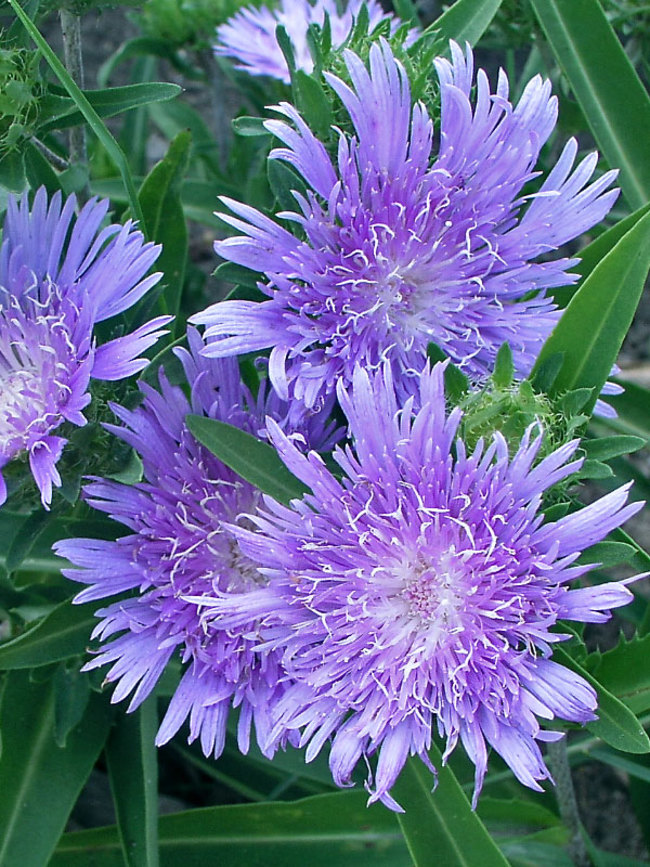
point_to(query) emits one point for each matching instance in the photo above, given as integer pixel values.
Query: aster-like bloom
(422, 590)
(59, 276)
(178, 547)
(395, 251)
(249, 36)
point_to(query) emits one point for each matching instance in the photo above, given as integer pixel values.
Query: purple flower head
(422, 590)
(249, 36)
(395, 251)
(59, 275)
(178, 547)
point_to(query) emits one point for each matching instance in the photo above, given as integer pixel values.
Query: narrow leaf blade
(593, 326)
(252, 459)
(133, 772)
(465, 21)
(40, 782)
(442, 822)
(616, 724)
(610, 93)
(319, 831)
(64, 633)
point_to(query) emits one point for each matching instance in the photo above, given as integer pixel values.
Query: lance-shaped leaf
(252, 459)
(160, 200)
(616, 724)
(64, 633)
(107, 102)
(593, 326)
(133, 771)
(443, 821)
(321, 831)
(39, 781)
(625, 672)
(465, 21)
(609, 91)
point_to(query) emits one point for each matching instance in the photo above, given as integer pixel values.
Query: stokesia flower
(395, 250)
(59, 276)
(249, 36)
(177, 547)
(422, 590)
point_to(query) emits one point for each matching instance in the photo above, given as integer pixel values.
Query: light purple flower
(178, 547)
(422, 591)
(249, 36)
(59, 276)
(394, 249)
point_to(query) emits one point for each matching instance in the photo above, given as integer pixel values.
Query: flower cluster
(249, 37)
(396, 251)
(417, 587)
(181, 546)
(422, 589)
(59, 276)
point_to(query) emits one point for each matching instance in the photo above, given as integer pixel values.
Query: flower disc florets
(178, 548)
(396, 248)
(422, 591)
(59, 276)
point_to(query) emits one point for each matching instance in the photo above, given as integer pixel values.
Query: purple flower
(422, 590)
(59, 275)
(178, 547)
(394, 251)
(249, 36)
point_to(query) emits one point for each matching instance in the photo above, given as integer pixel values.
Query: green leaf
(313, 104)
(616, 724)
(230, 272)
(133, 771)
(464, 21)
(283, 180)
(442, 822)
(504, 369)
(39, 171)
(92, 118)
(72, 694)
(516, 811)
(524, 852)
(608, 553)
(64, 633)
(40, 782)
(322, 831)
(252, 459)
(12, 171)
(25, 538)
(593, 326)
(625, 672)
(406, 10)
(633, 408)
(609, 91)
(249, 126)
(111, 101)
(604, 448)
(598, 249)
(160, 199)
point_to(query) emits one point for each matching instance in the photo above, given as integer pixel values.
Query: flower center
(434, 594)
